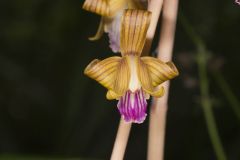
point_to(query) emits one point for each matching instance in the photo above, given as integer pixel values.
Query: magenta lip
(132, 106)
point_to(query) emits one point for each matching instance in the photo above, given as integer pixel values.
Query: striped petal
(122, 77)
(112, 95)
(146, 81)
(113, 73)
(104, 72)
(116, 5)
(134, 27)
(158, 92)
(107, 8)
(97, 6)
(159, 71)
(144, 76)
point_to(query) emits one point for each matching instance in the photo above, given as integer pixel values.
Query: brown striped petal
(99, 33)
(160, 71)
(97, 6)
(134, 27)
(112, 95)
(159, 92)
(146, 80)
(144, 76)
(116, 5)
(122, 77)
(104, 72)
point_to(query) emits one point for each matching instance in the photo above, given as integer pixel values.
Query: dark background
(48, 108)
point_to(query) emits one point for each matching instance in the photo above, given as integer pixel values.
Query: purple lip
(133, 106)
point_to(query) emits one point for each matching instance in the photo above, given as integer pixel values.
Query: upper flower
(131, 78)
(111, 12)
(109, 8)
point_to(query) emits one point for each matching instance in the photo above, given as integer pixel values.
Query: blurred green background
(49, 109)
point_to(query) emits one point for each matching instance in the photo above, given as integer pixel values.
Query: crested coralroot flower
(111, 12)
(131, 79)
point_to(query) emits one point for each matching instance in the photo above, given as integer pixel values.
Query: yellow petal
(160, 71)
(158, 93)
(100, 31)
(97, 6)
(144, 77)
(122, 78)
(113, 73)
(116, 5)
(112, 95)
(104, 72)
(134, 27)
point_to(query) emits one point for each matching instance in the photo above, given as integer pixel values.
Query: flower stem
(154, 6)
(202, 56)
(232, 99)
(207, 105)
(159, 107)
(121, 140)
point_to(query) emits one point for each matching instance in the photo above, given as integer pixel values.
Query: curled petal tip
(97, 6)
(107, 8)
(158, 93)
(104, 72)
(159, 71)
(90, 66)
(112, 95)
(174, 70)
(113, 73)
(100, 31)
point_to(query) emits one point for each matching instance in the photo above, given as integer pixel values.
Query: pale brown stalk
(154, 6)
(121, 140)
(159, 106)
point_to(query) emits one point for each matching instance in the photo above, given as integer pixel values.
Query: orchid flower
(111, 12)
(131, 79)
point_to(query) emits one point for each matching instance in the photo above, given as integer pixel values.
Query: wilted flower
(111, 12)
(131, 78)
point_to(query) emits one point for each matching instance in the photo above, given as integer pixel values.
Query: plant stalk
(224, 86)
(121, 140)
(207, 105)
(202, 57)
(158, 112)
(154, 6)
